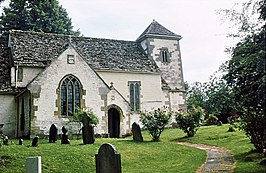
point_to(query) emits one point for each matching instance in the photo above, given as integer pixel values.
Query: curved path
(218, 159)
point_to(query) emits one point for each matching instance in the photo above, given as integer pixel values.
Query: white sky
(204, 36)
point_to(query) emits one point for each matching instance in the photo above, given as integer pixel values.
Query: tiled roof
(39, 49)
(157, 29)
(5, 85)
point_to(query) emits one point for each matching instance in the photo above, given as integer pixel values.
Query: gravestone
(53, 133)
(137, 136)
(64, 139)
(33, 165)
(35, 141)
(20, 142)
(5, 140)
(108, 160)
(87, 131)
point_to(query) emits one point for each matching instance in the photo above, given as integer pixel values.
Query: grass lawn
(155, 157)
(138, 157)
(244, 152)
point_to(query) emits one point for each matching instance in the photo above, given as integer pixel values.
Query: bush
(155, 122)
(77, 117)
(189, 121)
(212, 120)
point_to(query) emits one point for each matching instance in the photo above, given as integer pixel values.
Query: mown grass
(136, 157)
(247, 159)
(157, 157)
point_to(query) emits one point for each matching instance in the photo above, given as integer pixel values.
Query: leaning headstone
(87, 131)
(53, 133)
(20, 141)
(5, 140)
(64, 138)
(33, 165)
(108, 160)
(35, 141)
(137, 136)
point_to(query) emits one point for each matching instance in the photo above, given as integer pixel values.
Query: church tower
(162, 46)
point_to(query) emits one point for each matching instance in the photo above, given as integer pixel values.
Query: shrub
(77, 117)
(189, 121)
(155, 122)
(212, 120)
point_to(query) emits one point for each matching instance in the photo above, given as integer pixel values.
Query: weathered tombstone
(35, 141)
(87, 131)
(219, 123)
(5, 140)
(108, 160)
(53, 133)
(137, 136)
(33, 165)
(20, 141)
(64, 139)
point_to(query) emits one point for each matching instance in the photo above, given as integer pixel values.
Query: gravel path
(219, 160)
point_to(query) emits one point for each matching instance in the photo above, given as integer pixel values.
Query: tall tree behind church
(36, 15)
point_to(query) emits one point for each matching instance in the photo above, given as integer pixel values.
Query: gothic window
(70, 90)
(134, 94)
(164, 56)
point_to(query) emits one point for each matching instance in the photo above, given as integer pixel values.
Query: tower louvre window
(164, 56)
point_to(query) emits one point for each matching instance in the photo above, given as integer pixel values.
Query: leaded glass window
(70, 95)
(134, 94)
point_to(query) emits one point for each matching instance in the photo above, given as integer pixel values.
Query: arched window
(70, 91)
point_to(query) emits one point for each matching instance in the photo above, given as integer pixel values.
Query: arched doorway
(113, 123)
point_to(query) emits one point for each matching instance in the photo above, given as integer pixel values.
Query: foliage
(155, 122)
(212, 120)
(246, 76)
(38, 15)
(196, 95)
(77, 117)
(190, 121)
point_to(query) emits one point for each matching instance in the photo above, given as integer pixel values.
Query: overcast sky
(204, 36)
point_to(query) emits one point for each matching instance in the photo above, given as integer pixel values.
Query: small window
(164, 56)
(19, 74)
(70, 59)
(134, 94)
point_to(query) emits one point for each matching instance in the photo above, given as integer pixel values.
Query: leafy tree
(189, 121)
(155, 122)
(247, 77)
(36, 15)
(196, 95)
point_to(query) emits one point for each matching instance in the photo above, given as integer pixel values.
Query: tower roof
(156, 29)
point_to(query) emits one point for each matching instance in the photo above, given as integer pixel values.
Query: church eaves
(39, 49)
(156, 29)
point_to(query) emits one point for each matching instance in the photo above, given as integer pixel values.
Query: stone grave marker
(87, 131)
(53, 133)
(5, 140)
(33, 165)
(35, 141)
(64, 139)
(137, 136)
(108, 160)
(20, 141)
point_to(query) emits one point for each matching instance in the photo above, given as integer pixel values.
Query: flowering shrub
(155, 122)
(190, 121)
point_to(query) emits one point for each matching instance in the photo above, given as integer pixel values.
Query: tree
(155, 122)
(196, 95)
(247, 77)
(36, 15)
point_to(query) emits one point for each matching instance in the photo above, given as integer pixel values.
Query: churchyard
(163, 156)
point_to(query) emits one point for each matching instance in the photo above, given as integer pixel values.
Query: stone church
(45, 78)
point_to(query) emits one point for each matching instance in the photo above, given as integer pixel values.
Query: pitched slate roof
(39, 49)
(156, 29)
